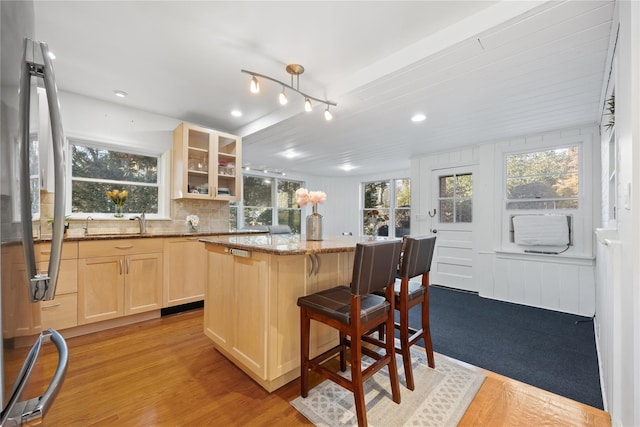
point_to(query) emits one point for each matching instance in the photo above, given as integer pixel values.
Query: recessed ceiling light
(120, 93)
(290, 154)
(419, 117)
(236, 113)
(347, 167)
(52, 55)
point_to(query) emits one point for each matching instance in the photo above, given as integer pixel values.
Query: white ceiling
(481, 71)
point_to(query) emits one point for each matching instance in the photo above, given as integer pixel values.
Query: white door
(452, 222)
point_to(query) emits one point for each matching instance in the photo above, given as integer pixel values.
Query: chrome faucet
(86, 225)
(143, 222)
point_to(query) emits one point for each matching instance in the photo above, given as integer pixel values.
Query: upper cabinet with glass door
(207, 164)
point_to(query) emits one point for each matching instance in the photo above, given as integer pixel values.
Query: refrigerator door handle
(18, 413)
(37, 62)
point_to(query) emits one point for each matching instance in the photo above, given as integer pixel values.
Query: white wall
(344, 198)
(90, 118)
(618, 303)
(110, 122)
(501, 271)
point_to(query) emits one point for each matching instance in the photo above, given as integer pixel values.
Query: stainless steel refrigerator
(26, 66)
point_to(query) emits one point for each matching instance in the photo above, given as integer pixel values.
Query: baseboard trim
(449, 288)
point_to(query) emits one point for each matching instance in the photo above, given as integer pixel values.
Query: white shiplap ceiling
(480, 71)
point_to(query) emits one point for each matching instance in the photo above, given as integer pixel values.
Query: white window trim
(582, 217)
(164, 175)
(392, 204)
(274, 200)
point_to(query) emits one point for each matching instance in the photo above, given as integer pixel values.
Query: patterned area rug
(440, 398)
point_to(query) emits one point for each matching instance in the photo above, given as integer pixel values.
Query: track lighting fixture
(327, 114)
(293, 70)
(263, 170)
(283, 98)
(255, 86)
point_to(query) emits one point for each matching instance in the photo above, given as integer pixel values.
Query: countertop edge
(304, 247)
(151, 235)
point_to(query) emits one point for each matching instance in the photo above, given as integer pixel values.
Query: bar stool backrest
(417, 256)
(374, 266)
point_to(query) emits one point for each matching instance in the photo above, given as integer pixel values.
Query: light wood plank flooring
(166, 372)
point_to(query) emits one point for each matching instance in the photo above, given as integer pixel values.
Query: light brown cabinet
(24, 320)
(184, 270)
(62, 311)
(18, 319)
(118, 278)
(251, 312)
(237, 320)
(206, 164)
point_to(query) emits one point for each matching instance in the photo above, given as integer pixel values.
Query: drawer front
(60, 313)
(69, 251)
(67, 277)
(118, 247)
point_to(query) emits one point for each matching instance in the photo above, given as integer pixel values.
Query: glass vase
(314, 225)
(119, 213)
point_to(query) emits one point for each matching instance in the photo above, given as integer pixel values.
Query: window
(387, 203)
(289, 212)
(261, 198)
(258, 205)
(96, 170)
(455, 198)
(546, 179)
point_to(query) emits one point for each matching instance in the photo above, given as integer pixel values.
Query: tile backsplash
(213, 214)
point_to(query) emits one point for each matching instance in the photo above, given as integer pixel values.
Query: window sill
(559, 258)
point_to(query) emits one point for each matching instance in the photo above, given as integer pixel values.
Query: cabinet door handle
(124, 247)
(310, 265)
(45, 307)
(317, 261)
(127, 271)
(120, 267)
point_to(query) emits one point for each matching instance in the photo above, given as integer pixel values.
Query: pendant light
(283, 98)
(255, 86)
(327, 114)
(293, 70)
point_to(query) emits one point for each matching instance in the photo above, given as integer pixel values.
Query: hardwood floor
(166, 372)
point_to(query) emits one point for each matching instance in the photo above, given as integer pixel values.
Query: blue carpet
(547, 349)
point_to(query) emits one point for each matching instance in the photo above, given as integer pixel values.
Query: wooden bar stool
(416, 261)
(353, 311)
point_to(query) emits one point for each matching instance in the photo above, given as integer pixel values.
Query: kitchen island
(253, 284)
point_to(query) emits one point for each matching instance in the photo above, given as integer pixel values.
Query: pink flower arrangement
(304, 196)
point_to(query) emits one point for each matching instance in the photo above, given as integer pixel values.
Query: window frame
(455, 198)
(392, 204)
(237, 208)
(163, 175)
(582, 216)
(543, 148)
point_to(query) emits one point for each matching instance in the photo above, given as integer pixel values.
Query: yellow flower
(118, 197)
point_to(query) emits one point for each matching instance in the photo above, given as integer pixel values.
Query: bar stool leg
(305, 324)
(356, 380)
(426, 329)
(404, 344)
(343, 351)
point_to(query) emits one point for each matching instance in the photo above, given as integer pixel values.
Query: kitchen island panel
(251, 311)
